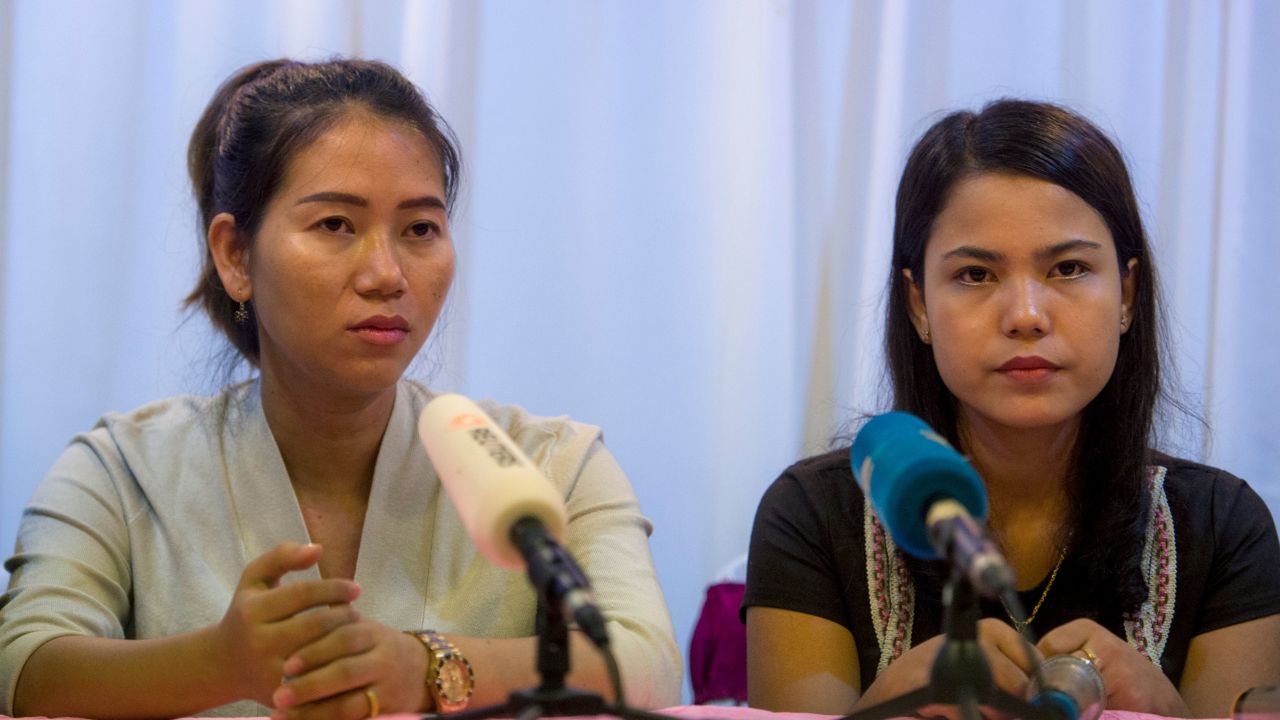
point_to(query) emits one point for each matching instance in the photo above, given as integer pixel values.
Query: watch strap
(440, 651)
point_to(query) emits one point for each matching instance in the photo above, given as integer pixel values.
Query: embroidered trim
(1148, 630)
(893, 596)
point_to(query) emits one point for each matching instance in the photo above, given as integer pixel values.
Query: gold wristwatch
(450, 679)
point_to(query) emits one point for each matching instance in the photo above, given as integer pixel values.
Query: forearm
(75, 676)
(608, 535)
(1225, 662)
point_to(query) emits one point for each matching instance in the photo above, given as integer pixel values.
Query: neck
(1025, 471)
(329, 442)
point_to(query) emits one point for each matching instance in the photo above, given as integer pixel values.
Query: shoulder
(828, 476)
(1209, 492)
(160, 440)
(1183, 472)
(174, 414)
(827, 466)
(170, 428)
(162, 427)
(1217, 514)
(558, 445)
(807, 542)
(819, 488)
(1227, 547)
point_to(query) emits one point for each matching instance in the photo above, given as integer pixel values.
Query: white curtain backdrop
(676, 219)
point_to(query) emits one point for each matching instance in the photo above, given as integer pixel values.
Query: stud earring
(242, 314)
(924, 334)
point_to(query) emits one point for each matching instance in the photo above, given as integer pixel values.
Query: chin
(1041, 422)
(1026, 418)
(366, 378)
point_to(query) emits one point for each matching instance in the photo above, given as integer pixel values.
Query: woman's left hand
(1132, 681)
(328, 679)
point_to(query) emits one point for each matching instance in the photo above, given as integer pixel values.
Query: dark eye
(335, 225)
(1070, 268)
(974, 275)
(423, 229)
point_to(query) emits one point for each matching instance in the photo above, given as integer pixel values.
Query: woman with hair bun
(284, 547)
(1022, 326)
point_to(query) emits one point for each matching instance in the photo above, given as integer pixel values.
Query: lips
(1033, 362)
(381, 329)
(1031, 369)
(383, 322)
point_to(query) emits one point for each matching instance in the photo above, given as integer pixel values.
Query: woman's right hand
(1000, 644)
(267, 621)
(1132, 681)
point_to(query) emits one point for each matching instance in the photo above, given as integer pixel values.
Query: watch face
(454, 680)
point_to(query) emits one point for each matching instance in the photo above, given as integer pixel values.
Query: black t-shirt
(808, 554)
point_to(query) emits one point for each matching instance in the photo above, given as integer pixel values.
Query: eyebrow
(426, 201)
(1044, 253)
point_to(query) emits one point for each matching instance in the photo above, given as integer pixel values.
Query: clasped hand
(303, 649)
(1132, 681)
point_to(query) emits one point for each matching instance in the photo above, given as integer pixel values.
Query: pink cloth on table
(718, 648)
(728, 712)
(731, 712)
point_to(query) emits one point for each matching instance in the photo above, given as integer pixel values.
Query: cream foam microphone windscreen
(491, 482)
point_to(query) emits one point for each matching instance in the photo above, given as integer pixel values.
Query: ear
(230, 256)
(1128, 288)
(915, 305)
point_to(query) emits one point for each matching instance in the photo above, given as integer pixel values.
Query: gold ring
(1089, 656)
(372, 697)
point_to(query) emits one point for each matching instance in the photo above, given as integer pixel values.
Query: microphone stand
(552, 698)
(960, 674)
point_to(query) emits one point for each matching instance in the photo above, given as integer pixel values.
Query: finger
(336, 662)
(1067, 638)
(1007, 675)
(305, 628)
(999, 637)
(266, 570)
(939, 712)
(292, 598)
(994, 714)
(348, 705)
(1087, 654)
(952, 712)
(1023, 655)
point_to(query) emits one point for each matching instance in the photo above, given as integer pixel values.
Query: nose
(1025, 314)
(379, 272)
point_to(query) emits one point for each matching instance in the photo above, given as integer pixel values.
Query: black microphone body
(559, 580)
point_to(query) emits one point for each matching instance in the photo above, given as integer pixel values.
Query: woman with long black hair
(1023, 326)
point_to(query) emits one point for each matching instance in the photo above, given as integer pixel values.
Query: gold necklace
(1021, 626)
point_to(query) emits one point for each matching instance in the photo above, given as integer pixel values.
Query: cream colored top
(145, 523)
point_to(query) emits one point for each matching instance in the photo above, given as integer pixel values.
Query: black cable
(615, 675)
